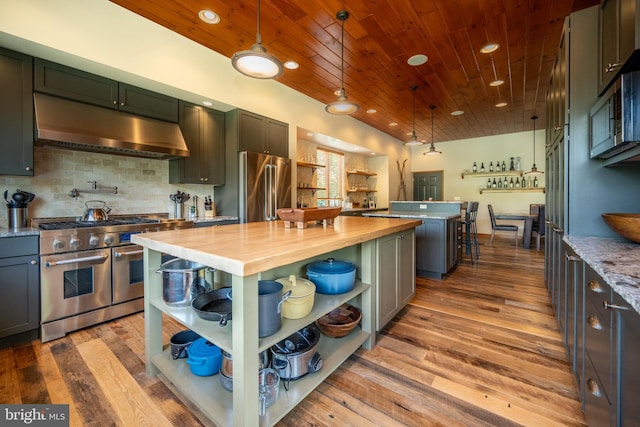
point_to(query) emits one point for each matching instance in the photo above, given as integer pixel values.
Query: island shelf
(244, 254)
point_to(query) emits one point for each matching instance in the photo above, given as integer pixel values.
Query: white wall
(103, 38)
(460, 154)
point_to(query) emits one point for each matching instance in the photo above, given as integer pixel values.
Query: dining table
(528, 224)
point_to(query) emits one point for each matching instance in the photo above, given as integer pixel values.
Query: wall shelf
(363, 173)
(488, 174)
(310, 165)
(361, 191)
(513, 190)
(313, 189)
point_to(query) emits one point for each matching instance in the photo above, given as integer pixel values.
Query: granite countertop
(415, 215)
(617, 261)
(363, 209)
(25, 231)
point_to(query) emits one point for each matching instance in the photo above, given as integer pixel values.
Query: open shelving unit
(513, 190)
(490, 174)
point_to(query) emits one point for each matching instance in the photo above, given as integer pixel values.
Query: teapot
(99, 213)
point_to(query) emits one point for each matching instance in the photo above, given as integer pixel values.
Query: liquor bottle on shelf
(504, 166)
(517, 181)
(524, 182)
(511, 183)
(489, 183)
(475, 167)
(499, 183)
(535, 181)
(482, 167)
(494, 185)
(512, 166)
(506, 183)
(490, 166)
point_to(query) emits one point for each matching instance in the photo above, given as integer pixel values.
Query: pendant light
(534, 169)
(342, 105)
(432, 149)
(256, 62)
(414, 138)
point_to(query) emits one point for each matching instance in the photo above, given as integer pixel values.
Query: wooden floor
(480, 347)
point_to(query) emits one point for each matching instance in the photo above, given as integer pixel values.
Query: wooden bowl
(340, 321)
(625, 224)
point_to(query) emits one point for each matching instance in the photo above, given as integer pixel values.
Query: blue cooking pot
(204, 358)
(332, 276)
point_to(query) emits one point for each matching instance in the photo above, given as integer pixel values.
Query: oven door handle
(119, 254)
(75, 260)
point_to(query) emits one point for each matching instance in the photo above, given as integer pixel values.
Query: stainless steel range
(90, 271)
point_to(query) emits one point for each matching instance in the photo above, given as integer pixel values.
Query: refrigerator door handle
(268, 192)
(275, 191)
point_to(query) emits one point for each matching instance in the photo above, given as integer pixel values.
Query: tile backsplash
(142, 184)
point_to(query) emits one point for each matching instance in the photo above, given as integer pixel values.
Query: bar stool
(471, 230)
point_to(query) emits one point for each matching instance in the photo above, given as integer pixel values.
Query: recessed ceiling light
(393, 124)
(372, 111)
(209, 16)
(457, 113)
(418, 59)
(373, 154)
(489, 47)
(409, 133)
(501, 104)
(291, 65)
(309, 133)
(207, 103)
(496, 83)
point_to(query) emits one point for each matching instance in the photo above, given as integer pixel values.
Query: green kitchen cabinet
(395, 275)
(16, 114)
(203, 131)
(261, 134)
(66, 82)
(618, 39)
(19, 289)
(437, 250)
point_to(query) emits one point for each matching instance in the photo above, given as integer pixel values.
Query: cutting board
(301, 217)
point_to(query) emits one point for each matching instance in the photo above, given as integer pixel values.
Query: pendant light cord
(258, 36)
(342, 59)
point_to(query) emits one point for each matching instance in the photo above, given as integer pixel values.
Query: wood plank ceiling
(380, 36)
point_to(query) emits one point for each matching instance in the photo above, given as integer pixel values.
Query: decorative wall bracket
(95, 188)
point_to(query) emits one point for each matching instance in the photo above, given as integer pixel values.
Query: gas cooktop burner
(85, 224)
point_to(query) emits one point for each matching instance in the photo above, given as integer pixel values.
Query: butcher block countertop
(251, 248)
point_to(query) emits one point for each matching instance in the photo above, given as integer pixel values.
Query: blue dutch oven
(204, 358)
(332, 276)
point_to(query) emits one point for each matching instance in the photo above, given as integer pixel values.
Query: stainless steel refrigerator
(265, 186)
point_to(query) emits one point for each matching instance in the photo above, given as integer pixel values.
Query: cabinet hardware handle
(594, 322)
(34, 262)
(595, 287)
(28, 168)
(610, 68)
(558, 229)
(592, 386)
(557, 128)
(608, 306)
(571, 257)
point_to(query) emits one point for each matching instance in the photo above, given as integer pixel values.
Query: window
(330, 177)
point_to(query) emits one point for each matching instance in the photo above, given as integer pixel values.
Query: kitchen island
(244, 254)
(439, 236)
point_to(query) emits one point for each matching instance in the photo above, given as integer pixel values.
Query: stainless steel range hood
(77, 126)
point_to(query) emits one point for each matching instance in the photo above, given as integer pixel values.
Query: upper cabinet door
(144, 102)
(66, 82)
(16, 114)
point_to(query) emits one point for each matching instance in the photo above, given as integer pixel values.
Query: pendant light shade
(534, 169)
(342, 106)
(432, 149)
(256, 62)
(413, 141)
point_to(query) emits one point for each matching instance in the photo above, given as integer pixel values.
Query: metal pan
(214, 305)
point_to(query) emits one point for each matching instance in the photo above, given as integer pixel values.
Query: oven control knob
(93, 240)
(74, 242)
(108, 239)
(58, 244)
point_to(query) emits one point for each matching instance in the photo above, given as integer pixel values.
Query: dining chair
(500, 227)
(539, 226)
(471, 229)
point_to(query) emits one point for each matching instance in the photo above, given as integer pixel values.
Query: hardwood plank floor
(479, 348)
